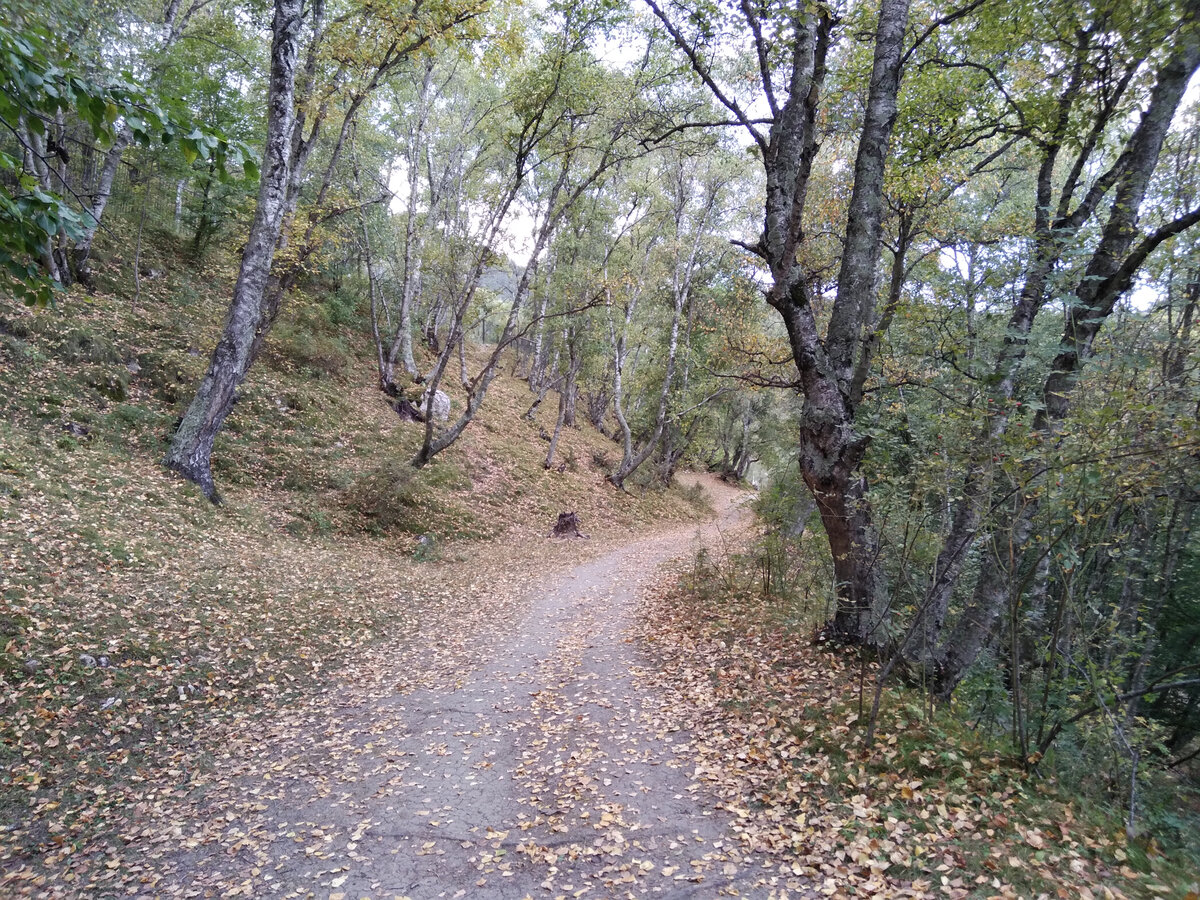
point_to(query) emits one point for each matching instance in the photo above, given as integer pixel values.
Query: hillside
(168, 663)
(142, 626)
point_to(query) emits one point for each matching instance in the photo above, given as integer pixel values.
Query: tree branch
(949, 18)
(702, 71)
(760, 47)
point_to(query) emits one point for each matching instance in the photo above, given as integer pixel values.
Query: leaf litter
(477, 745)
(155, 651)
(776, 731)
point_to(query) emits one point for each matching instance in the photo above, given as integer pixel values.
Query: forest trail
(546, 769)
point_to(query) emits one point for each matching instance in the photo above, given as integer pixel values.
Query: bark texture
(190, 453)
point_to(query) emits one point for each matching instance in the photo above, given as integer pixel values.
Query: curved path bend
(549, 770)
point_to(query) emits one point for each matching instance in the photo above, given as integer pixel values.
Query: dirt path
(547, 770)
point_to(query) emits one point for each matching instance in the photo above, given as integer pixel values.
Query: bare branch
(705, 75)
(760, 47)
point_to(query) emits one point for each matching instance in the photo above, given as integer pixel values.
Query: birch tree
(573, 123)
(1066, 208)
(191, 447)
(694, 191)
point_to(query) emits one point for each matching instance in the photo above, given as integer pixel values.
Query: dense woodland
(926, 273)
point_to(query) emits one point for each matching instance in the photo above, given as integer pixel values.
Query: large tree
(791, 46)
(191, 447)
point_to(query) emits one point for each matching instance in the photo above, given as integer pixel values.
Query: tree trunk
(373, 289)
(631, 460)
(191, 447)
(566, 402)
(831, 450)
(402, 346)
(683, 271)
(1109, 273)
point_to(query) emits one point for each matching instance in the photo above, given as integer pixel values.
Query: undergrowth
(933, 807)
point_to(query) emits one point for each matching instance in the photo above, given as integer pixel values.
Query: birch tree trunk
(1056, 220)
(575, 360)
(190, 453)
(401, 350)
(631, 459)
(1109, 273)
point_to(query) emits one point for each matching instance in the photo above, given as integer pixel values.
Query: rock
(86, 659)
(32, 665)
(441, 405)
(427, 547)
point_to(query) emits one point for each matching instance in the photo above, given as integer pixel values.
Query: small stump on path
(567, 526)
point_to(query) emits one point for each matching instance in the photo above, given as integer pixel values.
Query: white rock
(441, 405)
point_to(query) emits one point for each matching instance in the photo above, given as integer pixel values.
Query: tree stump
(567, 526)
(408, 411)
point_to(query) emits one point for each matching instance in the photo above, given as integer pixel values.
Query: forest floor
(357, 680)
(513, 753)
(144, 632)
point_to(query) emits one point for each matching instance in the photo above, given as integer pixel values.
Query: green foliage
(43, 80)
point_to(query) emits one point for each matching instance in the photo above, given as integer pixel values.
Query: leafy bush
(341, 308)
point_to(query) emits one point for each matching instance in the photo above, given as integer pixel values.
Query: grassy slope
(212, 616)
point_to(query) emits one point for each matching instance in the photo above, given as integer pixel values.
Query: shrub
(81, 345)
